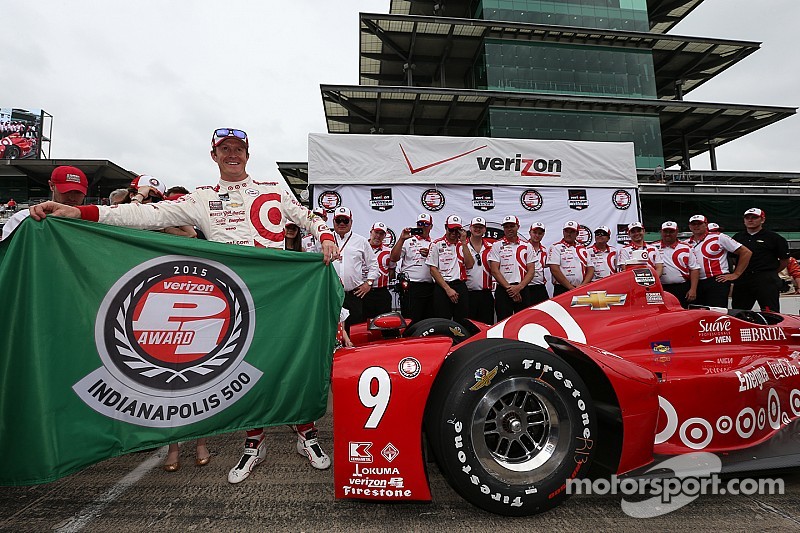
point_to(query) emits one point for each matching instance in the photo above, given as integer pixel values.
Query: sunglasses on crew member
(422, 224)
(221, 133)
(341, 220)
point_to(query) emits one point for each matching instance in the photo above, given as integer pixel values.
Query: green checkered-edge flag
(115, 340)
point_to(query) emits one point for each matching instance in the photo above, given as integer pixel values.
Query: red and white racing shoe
(309, 446)
(254, 452)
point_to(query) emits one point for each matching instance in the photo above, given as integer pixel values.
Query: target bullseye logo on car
(172, 334)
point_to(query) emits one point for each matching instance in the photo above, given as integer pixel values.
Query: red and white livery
(601, 379)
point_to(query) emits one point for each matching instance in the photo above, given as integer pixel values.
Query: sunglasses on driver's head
(221, 133)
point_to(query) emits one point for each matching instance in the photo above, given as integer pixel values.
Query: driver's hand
(40, 211)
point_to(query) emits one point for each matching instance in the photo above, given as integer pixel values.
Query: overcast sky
(144, 83)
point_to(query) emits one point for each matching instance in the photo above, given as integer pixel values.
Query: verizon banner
(361, 172)
(403, 159)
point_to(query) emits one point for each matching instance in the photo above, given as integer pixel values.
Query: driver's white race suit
(250, 213)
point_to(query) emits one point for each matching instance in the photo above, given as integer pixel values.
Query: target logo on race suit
(266, 217)
(172, 335)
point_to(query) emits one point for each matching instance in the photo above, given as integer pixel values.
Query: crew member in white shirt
(379, 300)
(638, 253)
(568, 260)
(711, 251)
(449, 260)
(410, 252)
(479, 279)
(537, 288)
(355, 258)
(602, 255)
(512, 264)
(681, 271)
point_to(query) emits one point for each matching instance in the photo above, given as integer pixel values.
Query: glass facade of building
(628, 15)
(643, 130)
(570, 69)
(565, 69)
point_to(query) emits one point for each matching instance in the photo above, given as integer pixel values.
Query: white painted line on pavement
(82, 519)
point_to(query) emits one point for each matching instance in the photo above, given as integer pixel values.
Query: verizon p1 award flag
(116, 340)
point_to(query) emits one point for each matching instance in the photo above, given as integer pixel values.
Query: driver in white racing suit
(238, 210)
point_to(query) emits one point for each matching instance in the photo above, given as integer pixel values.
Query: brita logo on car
(526, 167)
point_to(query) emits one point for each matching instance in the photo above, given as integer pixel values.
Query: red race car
(602, 380)
(16, 147)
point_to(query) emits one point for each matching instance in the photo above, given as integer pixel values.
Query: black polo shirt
(768, 249)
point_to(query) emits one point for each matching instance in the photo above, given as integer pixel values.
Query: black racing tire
(438, 326)
(12, 152)
(509, 424)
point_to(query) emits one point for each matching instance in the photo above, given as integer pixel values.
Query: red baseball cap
(66, 179)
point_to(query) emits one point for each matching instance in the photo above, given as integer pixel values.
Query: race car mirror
(388, 321)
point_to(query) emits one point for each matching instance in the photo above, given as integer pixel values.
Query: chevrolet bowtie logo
(599, 300)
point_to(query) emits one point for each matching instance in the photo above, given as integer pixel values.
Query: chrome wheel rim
(518, 432)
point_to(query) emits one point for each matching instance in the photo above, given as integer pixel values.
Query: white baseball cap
(453, 221)
(571, 224)
(603, 229)
(634, 225)
(510, 219)
(669, 224)
(154, 183)
(698, 218)
(713, 226)
(478, 220)
(755, 211)
(538, 225)
(343, 212)
(379, 226)
(425, 217)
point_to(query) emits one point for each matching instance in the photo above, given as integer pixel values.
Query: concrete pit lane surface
(133, 493)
